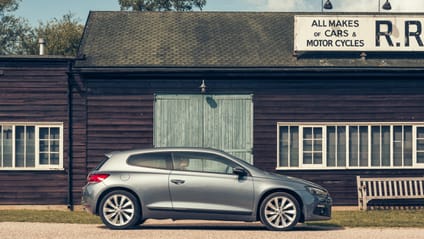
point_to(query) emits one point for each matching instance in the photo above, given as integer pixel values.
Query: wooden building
(233, 81)
(34, 130)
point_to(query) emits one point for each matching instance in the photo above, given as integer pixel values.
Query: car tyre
(279, 211)
(120, 210)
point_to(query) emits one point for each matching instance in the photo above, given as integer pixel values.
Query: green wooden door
(216, 121)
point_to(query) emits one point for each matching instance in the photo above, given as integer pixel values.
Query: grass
(375, 218)
(49, 216)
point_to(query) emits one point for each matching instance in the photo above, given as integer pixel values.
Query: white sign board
(359, 33)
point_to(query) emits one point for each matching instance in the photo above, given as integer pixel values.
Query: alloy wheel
(280, 211)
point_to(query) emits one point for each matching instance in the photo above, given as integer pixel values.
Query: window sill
(31, 169)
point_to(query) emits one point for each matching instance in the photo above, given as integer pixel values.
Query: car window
(202, 162)
(151, 160)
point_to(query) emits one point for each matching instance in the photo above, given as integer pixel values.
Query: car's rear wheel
(120, 210)
(280, 211)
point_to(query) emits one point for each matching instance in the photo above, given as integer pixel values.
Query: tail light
(97, 177)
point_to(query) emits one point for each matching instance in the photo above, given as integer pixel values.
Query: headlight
(317, 191)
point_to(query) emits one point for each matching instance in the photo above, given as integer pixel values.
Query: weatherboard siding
(31, 92)
(120, 114)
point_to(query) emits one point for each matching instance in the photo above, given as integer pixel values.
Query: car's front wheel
(120, 210)
(279, 211)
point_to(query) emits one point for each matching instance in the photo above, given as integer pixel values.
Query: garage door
(216, 121)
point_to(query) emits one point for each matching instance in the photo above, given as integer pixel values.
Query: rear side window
(151, 160)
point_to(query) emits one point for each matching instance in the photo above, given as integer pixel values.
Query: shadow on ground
(228, 227)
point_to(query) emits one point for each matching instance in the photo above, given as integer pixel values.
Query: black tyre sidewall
(262, 211)
(137, 211)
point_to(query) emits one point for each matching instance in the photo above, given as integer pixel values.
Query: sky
(43, 10)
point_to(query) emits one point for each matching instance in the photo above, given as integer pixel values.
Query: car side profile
(196, 183)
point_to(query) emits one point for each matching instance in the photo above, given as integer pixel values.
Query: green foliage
(8, 5)
(15, 32)
(161, 5)
(17, 37)
(62, 36)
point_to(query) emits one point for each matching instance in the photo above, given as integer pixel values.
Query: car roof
(166, 149)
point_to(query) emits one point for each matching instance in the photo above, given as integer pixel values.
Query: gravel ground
(196, 229)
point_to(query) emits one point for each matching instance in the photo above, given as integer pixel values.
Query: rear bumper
(88, 200)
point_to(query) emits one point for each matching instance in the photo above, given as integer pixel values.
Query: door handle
(177, 181)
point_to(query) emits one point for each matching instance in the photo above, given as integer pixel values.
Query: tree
(15, 32)
(62, 36)
(161, 5)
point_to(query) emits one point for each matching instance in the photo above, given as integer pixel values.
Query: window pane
(44, 146)
(30, 146)
(284, 146)
(397, 145)
(54, 159)
(363, 146)
(407, 146)
(331, 146)
(7, 146)
(307, 145)
(318, 133)
(353, 146)
(208, 163)
(54, 146)
(317, 158)
(294, 146)
(44, 133)
(44, 158)
(318, 145)
(307, 158)
(420, 144)
(151, 160)
(385, 147)
(341, 146)
(420, 157)
(307, 133)
(54, 133)
(420, 132)
(20, 146)
(375, 146)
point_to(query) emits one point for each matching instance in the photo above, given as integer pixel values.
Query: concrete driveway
(198, 229)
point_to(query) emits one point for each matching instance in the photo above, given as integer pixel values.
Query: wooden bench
(388, 188)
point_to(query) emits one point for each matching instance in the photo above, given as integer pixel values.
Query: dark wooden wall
(113, 112)
(120, 113)
(34, 91)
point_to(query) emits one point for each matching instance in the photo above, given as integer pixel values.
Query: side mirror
(241, 172)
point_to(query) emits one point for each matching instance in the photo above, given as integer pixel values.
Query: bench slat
(388, 188)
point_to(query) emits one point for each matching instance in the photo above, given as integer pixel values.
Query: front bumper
(320, 209)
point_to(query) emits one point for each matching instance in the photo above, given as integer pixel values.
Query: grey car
(196, 183)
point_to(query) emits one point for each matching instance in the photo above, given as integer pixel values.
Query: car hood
(279, 177)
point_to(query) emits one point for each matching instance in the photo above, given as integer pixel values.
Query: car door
(151, 178)
(203, 182)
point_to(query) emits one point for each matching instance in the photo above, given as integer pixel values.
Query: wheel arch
(104, 193)
(285, 190)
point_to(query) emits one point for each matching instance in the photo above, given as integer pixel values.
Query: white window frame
(414, 146)
(323, 146)
(301, 125)
(37, 127)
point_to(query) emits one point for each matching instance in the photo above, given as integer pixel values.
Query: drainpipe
(70, 138)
